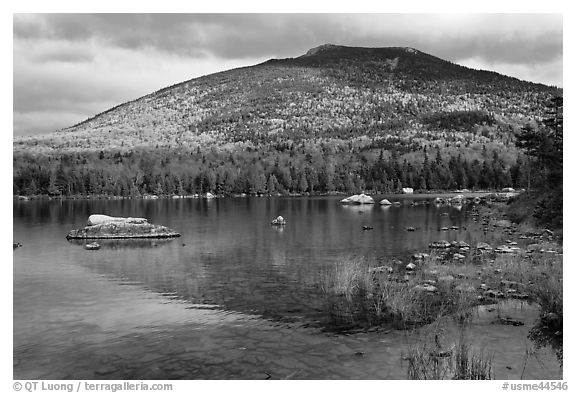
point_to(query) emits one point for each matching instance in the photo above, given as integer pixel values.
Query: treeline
(543, 144)
(182, 172)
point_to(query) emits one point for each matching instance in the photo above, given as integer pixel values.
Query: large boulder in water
(97, 219)
(385, 202)
(119, 228)
(358, 199)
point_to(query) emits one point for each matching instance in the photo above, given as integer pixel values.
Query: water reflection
(116, 244)
(230, 255)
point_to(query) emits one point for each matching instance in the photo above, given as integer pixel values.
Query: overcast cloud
(68, 67)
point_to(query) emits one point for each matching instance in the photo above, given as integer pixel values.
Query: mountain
(335, 105)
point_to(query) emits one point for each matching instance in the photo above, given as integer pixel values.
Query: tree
(272, 184)
(302, 182)
(542, 144)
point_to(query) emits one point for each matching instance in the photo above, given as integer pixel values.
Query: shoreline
(431, 194)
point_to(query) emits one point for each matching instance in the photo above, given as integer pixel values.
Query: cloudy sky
(68, 67)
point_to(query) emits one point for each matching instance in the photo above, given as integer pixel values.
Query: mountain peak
(357, 50)
(321, 48)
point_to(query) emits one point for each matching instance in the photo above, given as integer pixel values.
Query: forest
(337, 119)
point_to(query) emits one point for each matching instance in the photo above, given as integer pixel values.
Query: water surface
(234, 297)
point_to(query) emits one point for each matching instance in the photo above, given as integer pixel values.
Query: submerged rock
(122, 229)
(508, 321)
(92, 246)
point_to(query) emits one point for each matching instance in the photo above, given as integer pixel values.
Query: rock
(454, 227)
(410, 229)
(381, 269)
(97, 219)
(484, 287)
(209, 195)
(494, 294)
(408, 190)
(439, 201)
(457, 200)
(550, 319)
(448, 279)
(396, 203)
(444, 228)
(503, 224)
(16, 245)
(510, 284)
(460, 244)
(425, 288)
(124, 229)
(509, 321)
(520, 296)
(483, 246)
(410, 266)
(385, 202)
(508, 189)
(279, 221)
(358, 199)
(439, 244)
(366, 228)
(92, 246)
(441, 354)
(505, 249)
(420, 255)
(458, 257)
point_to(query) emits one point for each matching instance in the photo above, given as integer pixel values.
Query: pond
(233, 297)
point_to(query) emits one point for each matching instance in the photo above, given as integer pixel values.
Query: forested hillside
(334, 119)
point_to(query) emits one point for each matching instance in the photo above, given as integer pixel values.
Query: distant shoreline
(279, 195)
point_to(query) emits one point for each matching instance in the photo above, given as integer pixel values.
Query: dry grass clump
(390, 294)
(430, 360)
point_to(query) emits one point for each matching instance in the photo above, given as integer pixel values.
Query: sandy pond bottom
(224, 345)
